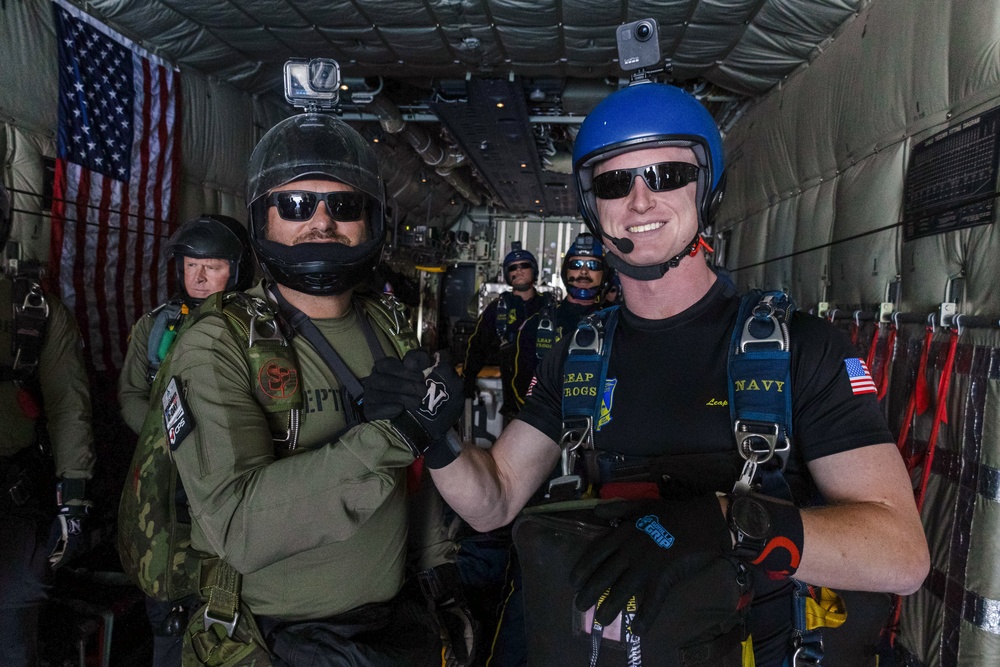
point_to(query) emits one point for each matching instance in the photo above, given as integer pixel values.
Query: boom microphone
(625, 245)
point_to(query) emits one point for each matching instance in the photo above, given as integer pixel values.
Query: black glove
(706, 605)
(656, 545)
(395, 385)
(422, 397)
(66, 534)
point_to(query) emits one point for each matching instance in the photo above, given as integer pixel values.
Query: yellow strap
(748, 659)
(826, 610)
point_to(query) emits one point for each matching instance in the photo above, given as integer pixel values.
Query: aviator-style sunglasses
(589, 264)
(300, 205)
(659, 177)
(520, 265)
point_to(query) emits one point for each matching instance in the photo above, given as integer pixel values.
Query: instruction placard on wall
(951, 181)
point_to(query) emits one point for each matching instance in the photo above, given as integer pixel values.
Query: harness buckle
(577, 432)
(263, 325)
(758, 438)
(230, 626)
(777, 335)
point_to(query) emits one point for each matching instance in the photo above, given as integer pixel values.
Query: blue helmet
(586, 245)
(649, 115)
(518, 254)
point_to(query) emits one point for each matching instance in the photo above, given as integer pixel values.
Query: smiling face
(321, 227)
(659, 224)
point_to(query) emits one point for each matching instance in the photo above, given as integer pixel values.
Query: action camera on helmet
(638, 44)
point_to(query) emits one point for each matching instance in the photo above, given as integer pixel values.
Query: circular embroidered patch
(276, 380)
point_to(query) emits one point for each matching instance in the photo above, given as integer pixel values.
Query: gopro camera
(638, 44)
(312, 84)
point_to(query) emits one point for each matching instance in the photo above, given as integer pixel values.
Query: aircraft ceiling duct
(444, 161)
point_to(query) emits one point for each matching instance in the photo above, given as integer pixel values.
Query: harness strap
(760, 396)
(31, 313)
(546, 336)
(308, 329)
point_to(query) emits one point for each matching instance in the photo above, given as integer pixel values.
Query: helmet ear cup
(712, 202)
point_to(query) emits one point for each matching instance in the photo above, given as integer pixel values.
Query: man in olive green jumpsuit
(318, 530)
(212, 254)
(42, 382)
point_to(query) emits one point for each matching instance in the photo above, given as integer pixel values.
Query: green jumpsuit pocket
(212, 647)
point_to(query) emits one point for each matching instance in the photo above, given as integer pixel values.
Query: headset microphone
(625, 245)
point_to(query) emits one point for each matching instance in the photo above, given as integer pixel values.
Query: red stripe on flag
(125, 318)
(58, 226)
(142, 193)
(80, 255)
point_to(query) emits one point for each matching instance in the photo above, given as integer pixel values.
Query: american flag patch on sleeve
(534, 381)
(861, 378)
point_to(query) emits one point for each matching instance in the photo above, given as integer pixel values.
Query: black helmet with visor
(320, 147)
(213, 237)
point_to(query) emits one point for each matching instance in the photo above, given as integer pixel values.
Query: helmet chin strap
(654, 271)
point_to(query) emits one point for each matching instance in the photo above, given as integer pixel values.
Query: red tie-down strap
(879, 366)
(918, 401)
(940, 417)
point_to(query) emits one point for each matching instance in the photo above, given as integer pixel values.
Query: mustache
(580, 279)
(323, 235)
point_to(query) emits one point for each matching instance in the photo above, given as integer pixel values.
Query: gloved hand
(421, 410)
(66, 534)
(656, 545)
(706, 605)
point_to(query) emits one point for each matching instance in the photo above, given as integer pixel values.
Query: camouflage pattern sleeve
(247, 505)
(133, 389)
(66, 393)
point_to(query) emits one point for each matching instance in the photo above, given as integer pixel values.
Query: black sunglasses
(300, 205)
(591, 264)
(520, 265)
(659, 177)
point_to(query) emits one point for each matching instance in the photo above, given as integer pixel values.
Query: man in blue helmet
(649, 168)
(584, 273)
(492, 342)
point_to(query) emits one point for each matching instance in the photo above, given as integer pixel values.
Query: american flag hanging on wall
(117, 168)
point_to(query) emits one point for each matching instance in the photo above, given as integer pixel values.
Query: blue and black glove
(657, 544)
(421, 396)
(67, 533)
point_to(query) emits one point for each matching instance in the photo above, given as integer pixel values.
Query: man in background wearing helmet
(211, 254)
(315, 522)
(649, 167)
(584, 273)
(492, 342)
(45, 403)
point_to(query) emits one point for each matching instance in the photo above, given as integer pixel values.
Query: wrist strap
(782, 550)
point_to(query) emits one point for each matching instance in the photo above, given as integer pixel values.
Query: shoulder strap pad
(388, 315)
(759, 368)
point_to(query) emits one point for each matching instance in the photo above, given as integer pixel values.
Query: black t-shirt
(667, 393)
(668, 390)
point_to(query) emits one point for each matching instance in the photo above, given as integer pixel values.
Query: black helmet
(4, 216)
(586, 245)
(314, 145)
(217, 237)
